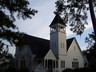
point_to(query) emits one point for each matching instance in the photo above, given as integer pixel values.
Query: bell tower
(58, 36)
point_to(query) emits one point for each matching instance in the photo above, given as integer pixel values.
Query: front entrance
(50, 67)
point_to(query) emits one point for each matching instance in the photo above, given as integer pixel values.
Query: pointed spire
(57, 20)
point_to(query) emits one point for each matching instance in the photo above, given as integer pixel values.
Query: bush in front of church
(68, 70)
(23, 69)
(88, 69)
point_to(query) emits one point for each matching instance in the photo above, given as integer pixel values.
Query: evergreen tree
(10, 10)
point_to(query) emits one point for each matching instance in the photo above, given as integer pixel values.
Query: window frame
(62, 63)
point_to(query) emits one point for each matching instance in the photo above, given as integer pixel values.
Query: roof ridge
(71, 38)
(36, 37)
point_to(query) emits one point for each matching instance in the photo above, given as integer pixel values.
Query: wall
(74, 52)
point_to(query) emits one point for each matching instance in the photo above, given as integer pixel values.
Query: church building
(54, 55)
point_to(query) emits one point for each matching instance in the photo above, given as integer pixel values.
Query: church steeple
(58, 36)
(57, 24)
(57, 20)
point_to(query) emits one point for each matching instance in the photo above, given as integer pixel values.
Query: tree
(6, 61)
(91, 51)
(10, 10)
(90, 40)
(75, 13)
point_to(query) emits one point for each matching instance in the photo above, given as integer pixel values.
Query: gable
(40, 68)
(50, 55)
(75, 50)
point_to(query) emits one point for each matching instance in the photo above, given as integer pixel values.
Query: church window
(74, 48)
(74, 59)
(61, 44)
(75, 64)
(62, 64)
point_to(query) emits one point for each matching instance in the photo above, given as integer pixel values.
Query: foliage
(91, 56)
(80, 70)
(74, 13)
(23, 69)
(91, 50)
(6, 61)
(10, 10)
(68, 70)
(90, 40)
(11, 70)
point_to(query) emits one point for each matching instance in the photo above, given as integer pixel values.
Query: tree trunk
(92, 17)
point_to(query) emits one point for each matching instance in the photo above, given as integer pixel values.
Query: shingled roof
(39, 46)
(56, 20)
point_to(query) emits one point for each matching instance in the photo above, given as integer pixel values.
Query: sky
(39, 24)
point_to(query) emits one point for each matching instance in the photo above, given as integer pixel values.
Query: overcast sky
(39, 25)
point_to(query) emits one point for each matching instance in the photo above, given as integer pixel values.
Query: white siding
(50, 55)
(74, 54)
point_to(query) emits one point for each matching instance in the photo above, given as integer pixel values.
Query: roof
(39, 46)
(69, 41)
(57, 20)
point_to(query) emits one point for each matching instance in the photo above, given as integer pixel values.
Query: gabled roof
(69, 41)
(57, 20)
(38, 46)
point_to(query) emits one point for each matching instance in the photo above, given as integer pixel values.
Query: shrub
(23, 69)
(68, 70)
